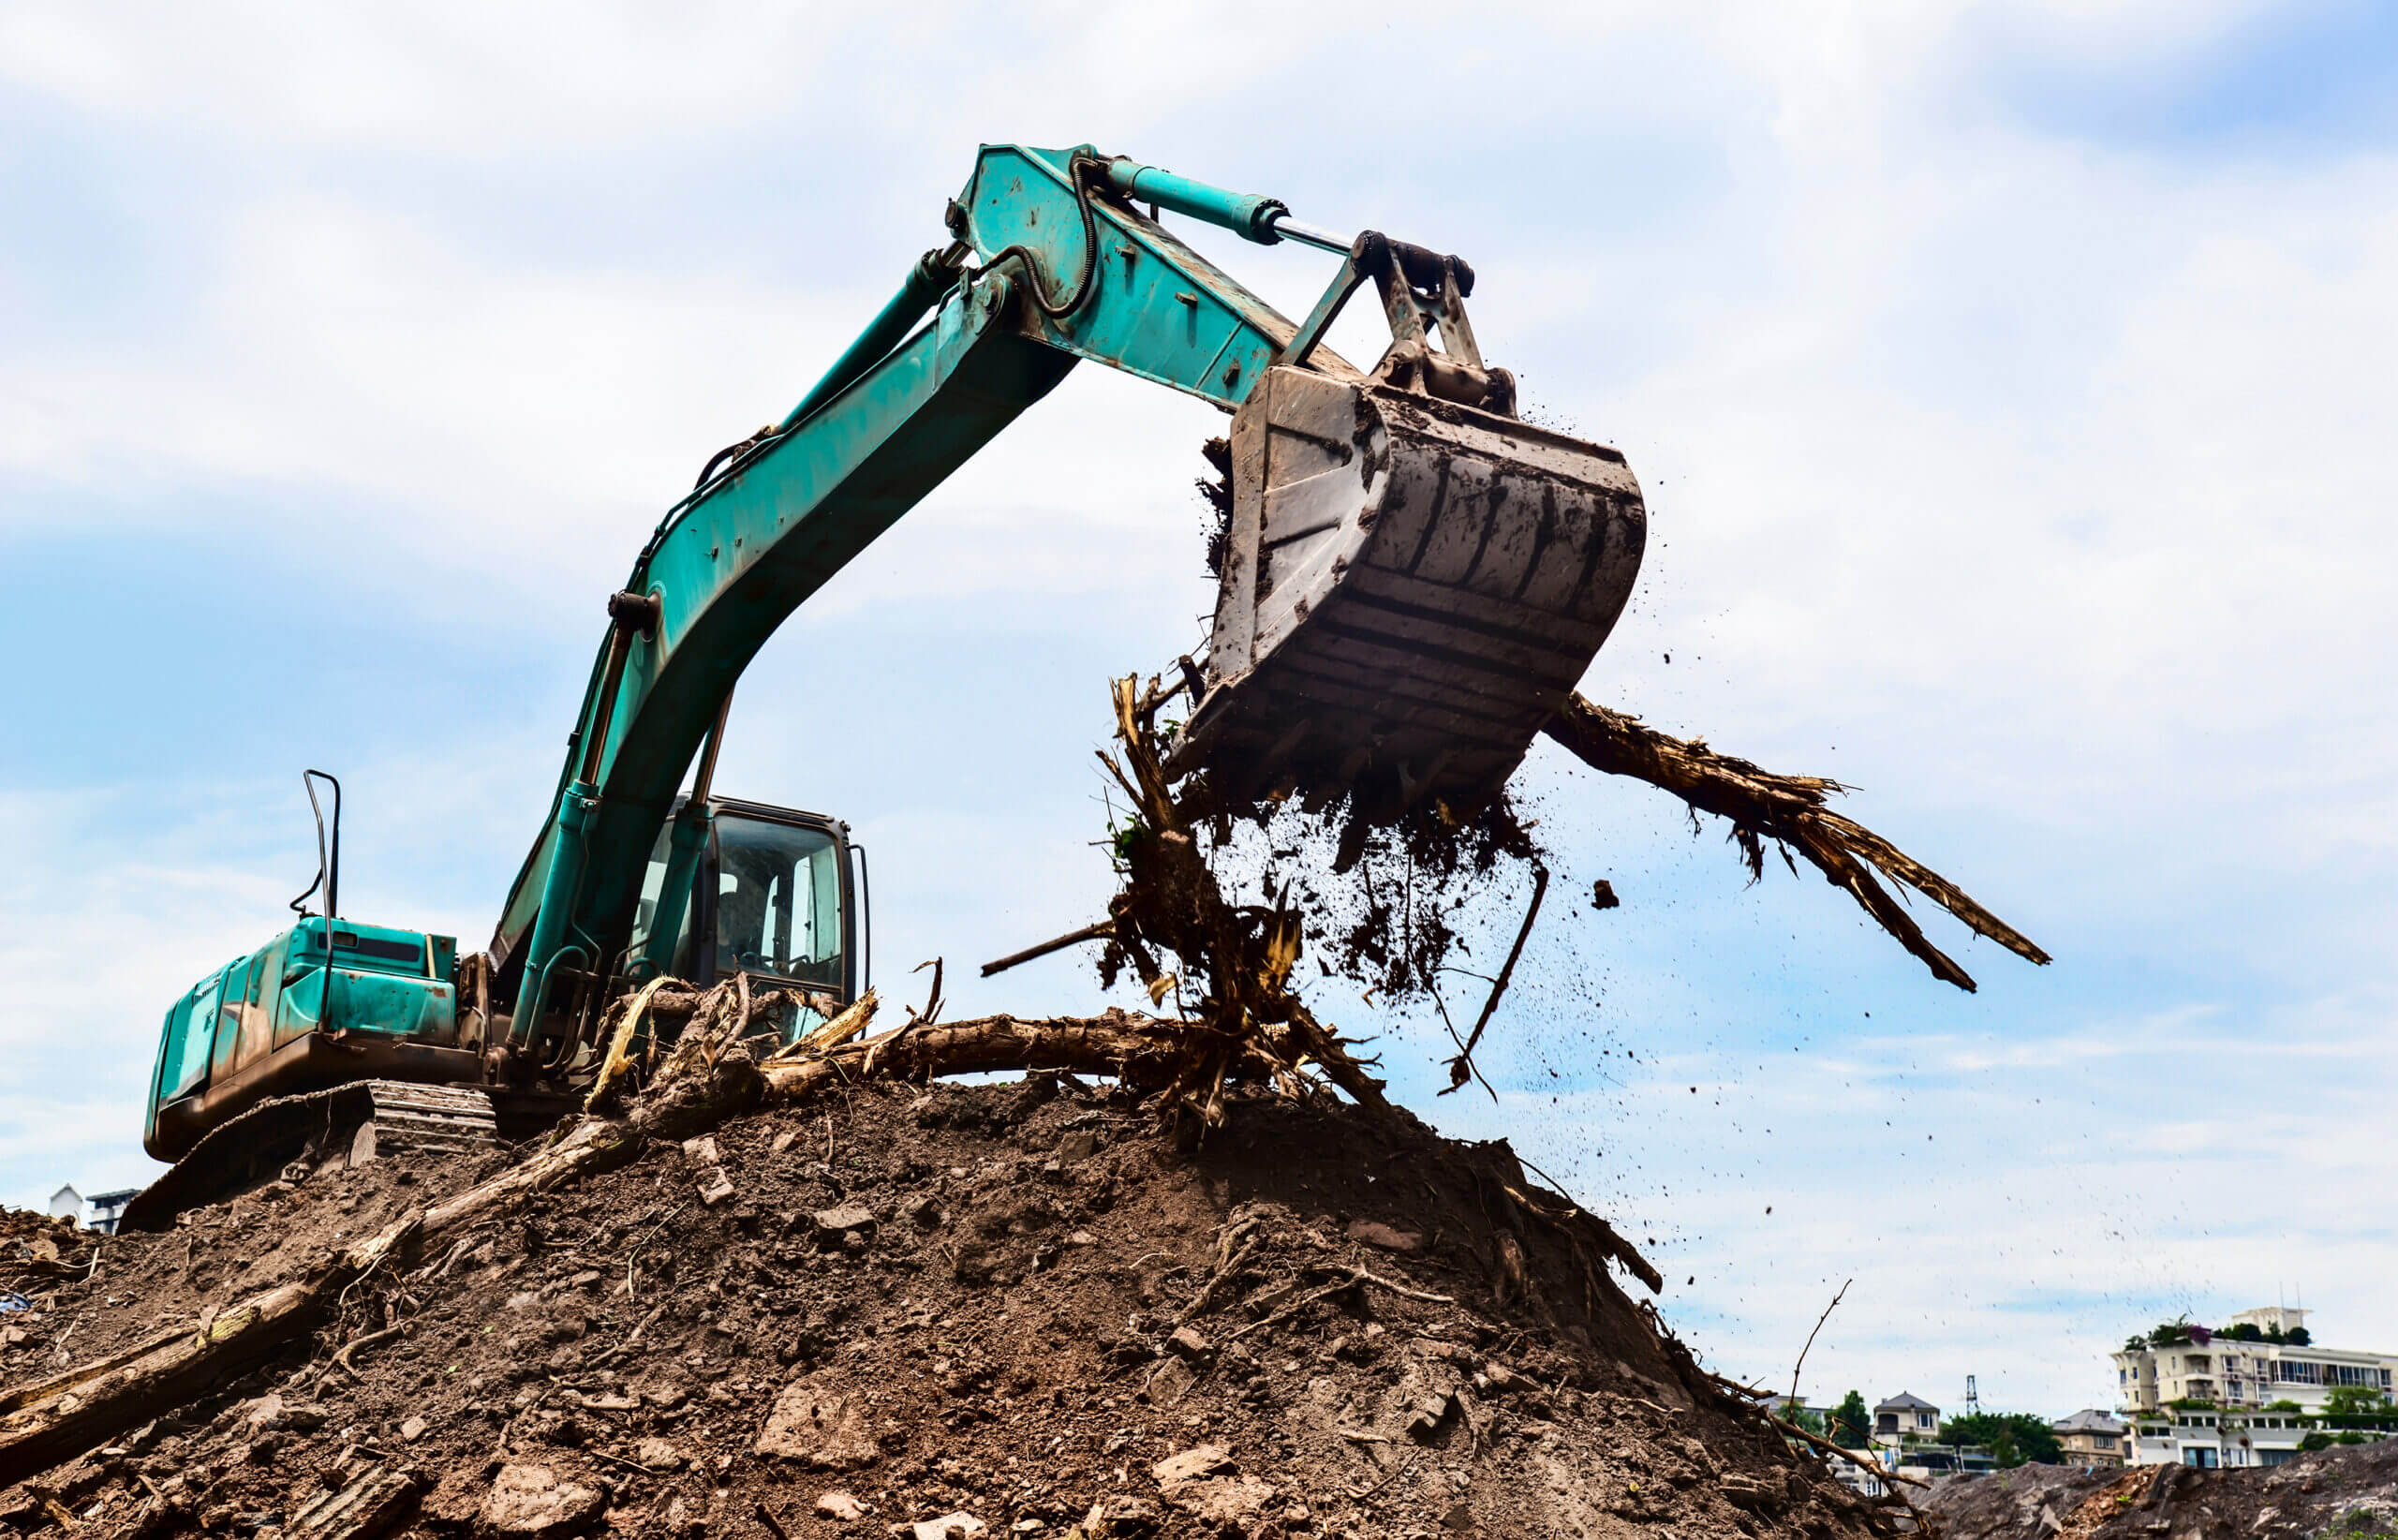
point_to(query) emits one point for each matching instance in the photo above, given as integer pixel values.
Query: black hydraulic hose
(708, 472)
(1079, 171)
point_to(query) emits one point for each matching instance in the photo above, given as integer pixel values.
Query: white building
(2237, 1366)
(2212, 1439)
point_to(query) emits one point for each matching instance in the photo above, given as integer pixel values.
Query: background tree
(2300, 1337)
(1851, 1422)
(1805, 1417)
(2355, 1399)
(2013, 1438)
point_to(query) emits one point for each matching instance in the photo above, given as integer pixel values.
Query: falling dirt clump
(1028, 1304)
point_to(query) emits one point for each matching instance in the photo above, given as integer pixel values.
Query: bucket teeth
(1411, 588)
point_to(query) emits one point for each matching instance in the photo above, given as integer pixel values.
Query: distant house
(2091, 1439)
(104, 1208)
(100, 1212)
(1903, 1416)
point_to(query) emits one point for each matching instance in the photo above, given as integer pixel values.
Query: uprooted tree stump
(1239, 1012)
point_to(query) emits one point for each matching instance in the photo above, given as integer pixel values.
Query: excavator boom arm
(903, 408)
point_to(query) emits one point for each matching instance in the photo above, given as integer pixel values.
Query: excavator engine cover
(1410, 588)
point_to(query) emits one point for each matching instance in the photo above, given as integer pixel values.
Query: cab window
(190, 1036)
(778, 901)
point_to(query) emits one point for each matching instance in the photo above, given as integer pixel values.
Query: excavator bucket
(1411, 586)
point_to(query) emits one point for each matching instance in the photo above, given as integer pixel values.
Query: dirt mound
(2342, 1493)
(1022, 1304)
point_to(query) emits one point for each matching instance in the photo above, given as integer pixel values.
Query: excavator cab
(777, 895)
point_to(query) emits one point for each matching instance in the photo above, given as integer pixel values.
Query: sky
(2010, 390)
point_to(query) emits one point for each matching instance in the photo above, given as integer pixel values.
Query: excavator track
(341, 1126)
(408, 1118)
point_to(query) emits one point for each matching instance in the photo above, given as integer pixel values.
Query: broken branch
(1096, 931)
(1461, 1067)
(1811, 1338)
(1789, 810)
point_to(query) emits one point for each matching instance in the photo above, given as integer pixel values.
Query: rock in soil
(1013, 1309)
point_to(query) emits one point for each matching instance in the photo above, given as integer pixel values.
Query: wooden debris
(1237, 960)
(1790, 812)
(1461, 1067)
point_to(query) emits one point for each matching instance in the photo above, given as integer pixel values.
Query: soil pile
(2341, 1493)
(999, 1310)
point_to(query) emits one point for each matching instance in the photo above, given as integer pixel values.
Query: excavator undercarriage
(293, 1137)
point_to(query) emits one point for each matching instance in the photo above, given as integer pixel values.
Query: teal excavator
(1414, 579)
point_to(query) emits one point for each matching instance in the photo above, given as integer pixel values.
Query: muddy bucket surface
(1411, 588)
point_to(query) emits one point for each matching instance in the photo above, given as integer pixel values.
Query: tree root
(1789, 810)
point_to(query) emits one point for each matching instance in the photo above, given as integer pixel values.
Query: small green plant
(2283, 1405)
(1851, 1421)
(2313, 1441)
(1123, 839)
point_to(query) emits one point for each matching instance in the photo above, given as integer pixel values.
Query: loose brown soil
(2341, 1493)
(1024, 1303)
